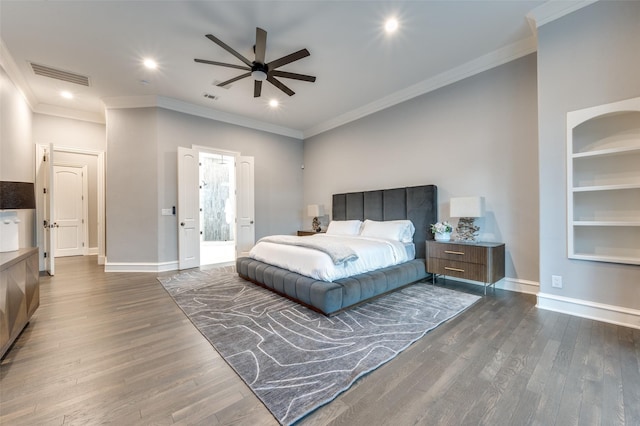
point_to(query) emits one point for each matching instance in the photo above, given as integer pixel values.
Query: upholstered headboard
(419, 204)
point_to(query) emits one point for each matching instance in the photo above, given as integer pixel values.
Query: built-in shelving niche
(603, 183)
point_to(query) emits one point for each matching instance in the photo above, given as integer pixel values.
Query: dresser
(19, 293)
(477, 261)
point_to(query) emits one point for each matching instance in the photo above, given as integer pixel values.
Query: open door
(49, 208)
(246, 230)
(188, 209)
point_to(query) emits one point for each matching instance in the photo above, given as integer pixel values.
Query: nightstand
(307, 233)
(478, 261)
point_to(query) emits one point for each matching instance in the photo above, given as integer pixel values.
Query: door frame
(41, 185)
(85, 200)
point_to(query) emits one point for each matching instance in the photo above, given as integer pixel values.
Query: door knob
(181, 223)
(251, 222)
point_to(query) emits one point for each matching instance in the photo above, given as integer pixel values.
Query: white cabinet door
(188, 209)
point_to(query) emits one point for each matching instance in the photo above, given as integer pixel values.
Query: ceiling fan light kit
(260, 70)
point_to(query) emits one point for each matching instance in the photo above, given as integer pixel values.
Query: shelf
(610, 259)
(603, 183)
(605, 223)
(608, 152)
(607, 187)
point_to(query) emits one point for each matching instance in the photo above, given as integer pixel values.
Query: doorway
(46, 157)
(217, 194)
(233, 207)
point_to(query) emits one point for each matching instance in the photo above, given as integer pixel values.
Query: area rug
(295, 359)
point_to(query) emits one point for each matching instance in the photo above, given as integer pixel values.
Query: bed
(417, 204)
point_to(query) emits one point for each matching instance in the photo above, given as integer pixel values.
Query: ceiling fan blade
(293, 75)
(257, 88)
(261, 45)
(228, 49)
(288, 59)
(280, 86)
(240, 77)
(222, 64)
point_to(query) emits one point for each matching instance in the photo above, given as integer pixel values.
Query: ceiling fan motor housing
(259, 71)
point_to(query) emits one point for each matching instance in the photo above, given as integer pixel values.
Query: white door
(49, 235)
(68, 214)
(188, 209)
(246, 231)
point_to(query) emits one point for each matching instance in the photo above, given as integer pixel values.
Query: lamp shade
(17, 195)
(466, 207)
(315, 210)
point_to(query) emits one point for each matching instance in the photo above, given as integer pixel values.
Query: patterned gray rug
(293, 358)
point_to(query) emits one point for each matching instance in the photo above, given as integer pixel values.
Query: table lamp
(314, 211)
(467, 209)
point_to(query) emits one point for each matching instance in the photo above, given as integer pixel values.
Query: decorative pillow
(398, 230)
(344, 227)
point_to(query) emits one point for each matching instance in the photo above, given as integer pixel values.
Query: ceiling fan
(259, 69)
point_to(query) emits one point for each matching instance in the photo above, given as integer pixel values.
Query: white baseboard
(92, 251)
(511, 284)
(596, 311)
(521, 286)
(140, 267)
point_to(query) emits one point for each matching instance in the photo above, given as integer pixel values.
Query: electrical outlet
(556, 281)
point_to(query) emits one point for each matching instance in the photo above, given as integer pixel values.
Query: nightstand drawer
(452, 268)
(458, 252)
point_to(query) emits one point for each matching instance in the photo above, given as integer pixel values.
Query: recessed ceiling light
(151, 64)
(66, 95)
(391, 25)
(273, 103)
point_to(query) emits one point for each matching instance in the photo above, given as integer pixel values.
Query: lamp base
(9, 231)
(315, 225)
(466, 230)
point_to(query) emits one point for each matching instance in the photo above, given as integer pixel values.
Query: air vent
(70, 77)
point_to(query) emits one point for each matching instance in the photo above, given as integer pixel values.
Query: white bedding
(373, 253)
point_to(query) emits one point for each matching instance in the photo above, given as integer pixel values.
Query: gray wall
(142, 178)
(17, 153)
(475, 137)
(69, 133)
(132, 190)
(588, 58)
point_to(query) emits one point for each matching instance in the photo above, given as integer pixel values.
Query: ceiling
(359, 68)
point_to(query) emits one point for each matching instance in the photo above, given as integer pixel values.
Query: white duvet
(373, 253)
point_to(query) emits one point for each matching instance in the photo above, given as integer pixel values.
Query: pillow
(398, 230)
(344, 227)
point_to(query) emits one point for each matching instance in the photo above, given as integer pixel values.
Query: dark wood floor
(114, 348)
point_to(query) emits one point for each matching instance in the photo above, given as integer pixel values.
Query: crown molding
(555, 9)
(74, 114)
(199, 111)
(476, 66)
(13, 71)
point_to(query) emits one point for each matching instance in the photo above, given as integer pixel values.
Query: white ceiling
(359, 68)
